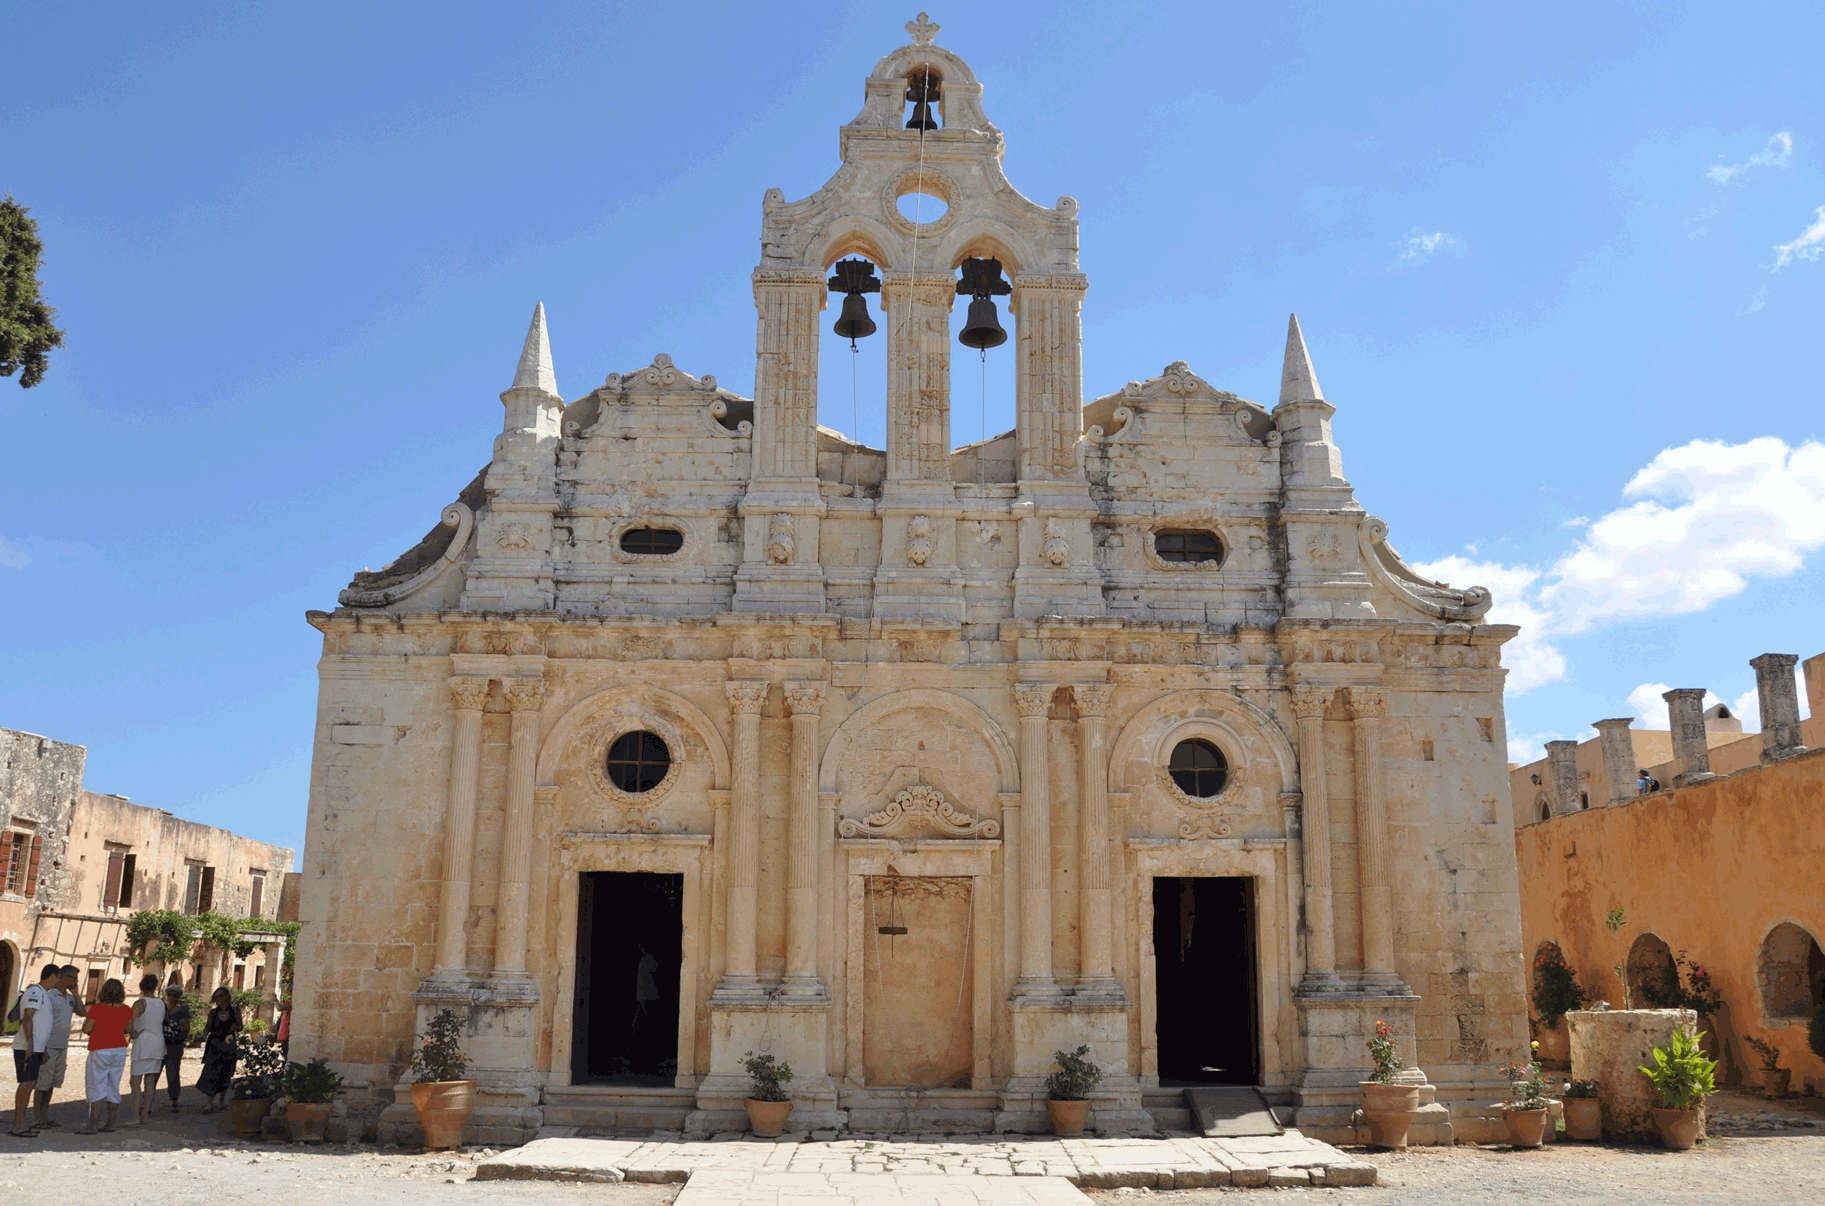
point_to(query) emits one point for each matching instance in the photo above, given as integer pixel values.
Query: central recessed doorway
(1205, 1017)
(917, 1007)
(630, 927)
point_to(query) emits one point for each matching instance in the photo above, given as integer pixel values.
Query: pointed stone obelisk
(1298, 383)
(535, 371)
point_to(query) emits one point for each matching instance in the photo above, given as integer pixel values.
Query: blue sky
(1537, 253)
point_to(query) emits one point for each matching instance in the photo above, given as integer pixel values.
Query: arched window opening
(1650, 967)
(1184, 546)
(1790, 971)
(924, 99)
(1584, 799)
(1543, 807)
(651, 542)
(852, 365)
(1198, 768)
(638, 762)
(982, 372)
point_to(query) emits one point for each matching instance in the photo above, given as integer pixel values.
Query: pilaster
(1367, 706)
(1034, 703)
(1096, 977)
(805, 846)
(1315, 825)
(740, 979)
(467, 696)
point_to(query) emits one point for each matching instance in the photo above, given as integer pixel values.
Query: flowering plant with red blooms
(1384, 1054)
(441, 1057)
(1555, 991)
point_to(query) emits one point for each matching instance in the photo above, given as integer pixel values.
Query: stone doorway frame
(942, 858)
(686, 854)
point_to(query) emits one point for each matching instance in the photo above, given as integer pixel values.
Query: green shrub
(310, 1083)
(1077, 1075)
(1556, 990)
(770, 1075)
(1681, 1072)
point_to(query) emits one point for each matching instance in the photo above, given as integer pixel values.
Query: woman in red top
(106, 1027)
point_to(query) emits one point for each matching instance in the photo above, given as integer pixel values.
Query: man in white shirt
(29, 1043)
(64, 1004)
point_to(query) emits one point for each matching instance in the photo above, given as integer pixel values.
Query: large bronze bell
(981, 283)
(853, 278)
(922, 90)
(853, 323)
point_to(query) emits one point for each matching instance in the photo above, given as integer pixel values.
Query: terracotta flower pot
(443, 1109)
(1679, 1129)
(1772, 1081)
(305, 1119)
(1555, 1044)
(1526, 1128)
(767, 1119)
(1388, 1110)
(1583, 1118)
(248, 1113)
(1068, 1117)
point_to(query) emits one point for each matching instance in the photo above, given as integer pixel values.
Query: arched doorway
(1790, 972)
(1650, 969)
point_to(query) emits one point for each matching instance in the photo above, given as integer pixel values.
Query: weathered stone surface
(556, 1160)
(1610, 1047)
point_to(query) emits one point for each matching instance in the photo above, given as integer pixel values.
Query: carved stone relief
(916, 809)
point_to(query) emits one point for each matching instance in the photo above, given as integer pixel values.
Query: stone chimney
(1691, 755)
(1780, 700)
(1562, 774)
(1618, 758)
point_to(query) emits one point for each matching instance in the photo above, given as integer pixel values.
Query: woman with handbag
(148, 1047)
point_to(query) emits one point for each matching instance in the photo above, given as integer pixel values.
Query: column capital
(1034, 699)
(1774, 662)
(1368, 703)
(789, 276)
(805, 698)
(1056, 282)
(468, 694)
(1309, 702)
(1613, 724)
(1092, 698)
(746, 697)
(524, 694)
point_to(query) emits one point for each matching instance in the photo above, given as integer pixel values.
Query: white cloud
(1528, 747)
(1776, 154)
(1421, 246)
(1576, 521)
(13, 556)
(1731, 512)
(1807, 247)
(1755, 303)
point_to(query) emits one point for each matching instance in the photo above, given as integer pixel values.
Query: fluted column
(804, 843)
(525, 696)
(918, 374)
(1315, 811)
(740, 977)
(1368, 706)
(1034, 702)
(467, 695)
(785, 374)
(1096, 974)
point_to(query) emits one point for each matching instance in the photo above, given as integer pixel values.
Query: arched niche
(1262, 767)
(1789, 971)
(956, 715)
(1650, 962)
(639, 705)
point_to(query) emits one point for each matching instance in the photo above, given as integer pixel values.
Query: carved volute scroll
(915, 809)
(468, 694)
(524, 694)
(1310, 701)
(1033, 699)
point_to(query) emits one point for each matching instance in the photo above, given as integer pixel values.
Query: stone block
(1287, 1178)
(1194, 1178)
(1249, 1176)
(1356, 1172)
(1610, 1047)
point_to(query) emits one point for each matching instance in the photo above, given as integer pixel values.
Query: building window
(117, 888)
(259, 976)
(638, 762)
(199, 889)
(129, 869)
(256, 896)
(651, 542)
(240, 973)
(20, 853)
(1188, 547)
(1198, 767)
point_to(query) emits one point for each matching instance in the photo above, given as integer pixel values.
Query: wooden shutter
(6, 860)
(110, 893)
(31, 869)
(129, 866)
(205, 899)
(253, 907)
(191, 883)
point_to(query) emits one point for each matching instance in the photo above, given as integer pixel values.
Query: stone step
(615, 1108)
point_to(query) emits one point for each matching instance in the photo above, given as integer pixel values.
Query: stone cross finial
(922, 30)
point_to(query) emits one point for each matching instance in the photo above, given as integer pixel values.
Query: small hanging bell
(983, 328)
(922, 90)
(854, 277)
(854, 322)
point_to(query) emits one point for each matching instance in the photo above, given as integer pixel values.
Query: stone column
(785, 374)
(1368, 705)
(918, 375)
(1691, 755)
(1096, 974)
(1048, 374)
(804, 844)
(1779, 697)
(1618, 758)
(1562, 776)
(740, 977)
(1315, 828)
(525, 696)
(1034, 703)
(466, 696)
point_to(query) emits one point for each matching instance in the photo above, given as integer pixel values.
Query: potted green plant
(768, 1105)
(1524, 1113)
(1555, 992)
(309, 1090)
(251, 1091)
(1683, 1076)
(441, 1096)
(1388, 1108)
(1583, 1110)
(1770, 1078)
(1068, 1090)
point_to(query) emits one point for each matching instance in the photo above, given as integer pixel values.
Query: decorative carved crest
(915, 808)
(1057, 549)
(782, 539)
(514, 536)
(919, 543)
(660, 375)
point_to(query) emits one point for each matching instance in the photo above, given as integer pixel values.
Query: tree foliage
(27, 325)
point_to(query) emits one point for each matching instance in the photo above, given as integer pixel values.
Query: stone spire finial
(1298, 383)
(535, 371)
(922, 30)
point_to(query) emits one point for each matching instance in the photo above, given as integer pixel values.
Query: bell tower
(921, 130)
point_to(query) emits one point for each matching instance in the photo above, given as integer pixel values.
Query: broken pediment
(1179, 390)
(915, 811)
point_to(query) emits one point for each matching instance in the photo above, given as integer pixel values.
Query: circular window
(1198, 768)
(638, 762)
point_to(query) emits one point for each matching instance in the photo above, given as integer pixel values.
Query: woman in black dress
(219, 1032)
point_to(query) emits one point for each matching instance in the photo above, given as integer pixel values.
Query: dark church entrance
(1204, 977)
(629, 929)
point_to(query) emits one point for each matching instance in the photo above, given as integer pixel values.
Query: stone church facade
(695, 728)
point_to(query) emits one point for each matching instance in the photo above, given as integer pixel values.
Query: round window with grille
(638, 762)
(1198, 768)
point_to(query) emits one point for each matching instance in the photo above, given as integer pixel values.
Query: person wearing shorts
(29, 1043)
(64, 1004)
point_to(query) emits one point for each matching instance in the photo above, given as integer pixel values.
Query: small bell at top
(981, 283)
(922, 89)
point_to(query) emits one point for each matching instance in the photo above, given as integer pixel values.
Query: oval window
(638, 762)
(1198, 767)
(651, 542)
(1188, 547)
